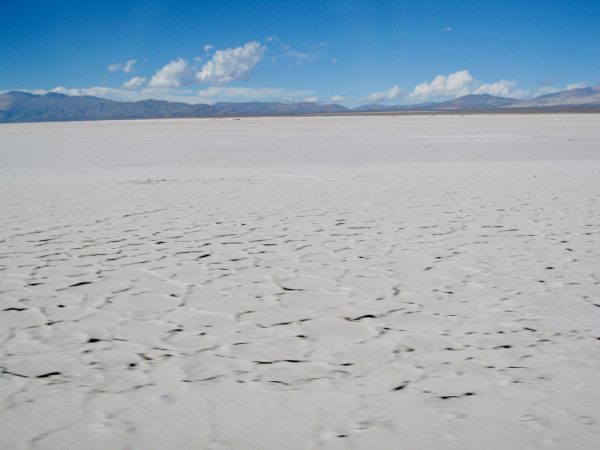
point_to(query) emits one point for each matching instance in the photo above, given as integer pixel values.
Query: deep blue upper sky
(363, 50)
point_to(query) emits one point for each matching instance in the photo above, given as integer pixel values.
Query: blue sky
(351, 51)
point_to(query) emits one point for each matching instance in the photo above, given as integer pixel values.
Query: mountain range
(16, 106)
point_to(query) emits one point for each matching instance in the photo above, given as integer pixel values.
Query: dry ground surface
(412, 283)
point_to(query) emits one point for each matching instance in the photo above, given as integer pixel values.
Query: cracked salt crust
(360, 282)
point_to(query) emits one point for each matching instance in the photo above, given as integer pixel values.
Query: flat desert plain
(389, 282)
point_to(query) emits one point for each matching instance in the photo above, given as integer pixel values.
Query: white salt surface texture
(427, 282)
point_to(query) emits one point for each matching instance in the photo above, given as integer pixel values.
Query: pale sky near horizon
(348, 52)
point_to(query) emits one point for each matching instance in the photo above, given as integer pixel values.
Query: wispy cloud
(127, 94)
(339, 98)
(301, 57)
(577, 85)
(542, 90)
(172, 95)
(322, 44)
(219, 93)
(392, 93)
(125, 67)
(209, 95)
(134, 83)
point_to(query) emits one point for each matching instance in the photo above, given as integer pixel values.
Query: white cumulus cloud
(443, 86)
(384, 96)
(457, 84)
(231, 64)
(175, 74)
(134, 83)
(125, 67)
(502, 88)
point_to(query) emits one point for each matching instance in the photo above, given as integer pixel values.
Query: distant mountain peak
(576, 97)
(20, 94)
(17, 106)
(477, 101)
(55, 95)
